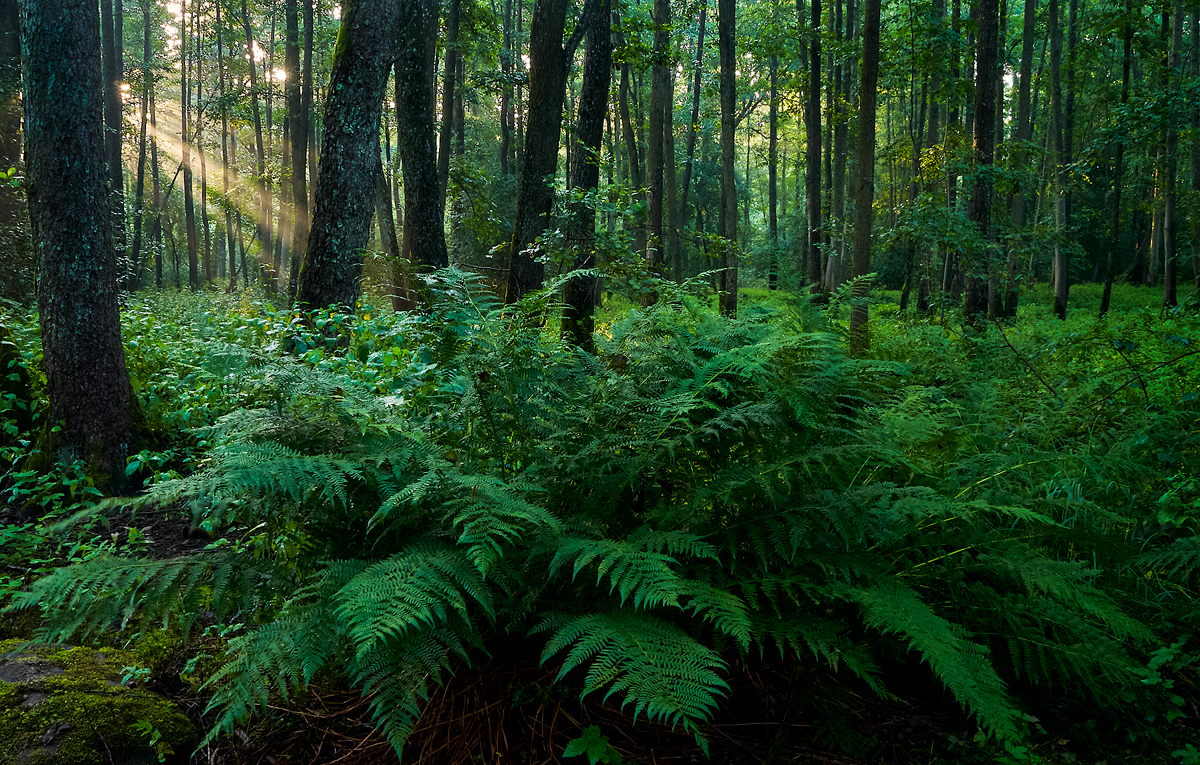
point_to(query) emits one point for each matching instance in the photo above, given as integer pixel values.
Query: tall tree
(189, 204)
(262, 184)
(980, 206)
(1023, 132)
(864, 176)
(660, 101)
(332, 268)
(1170, 211)
(1118, 162)
(298, 135)
(578, 320)
(694, 122)
(139, 192)
(1062, 261)
(535, 198)
(424, 236)
(726, 34)
(772, 174)
(812, 132)
(111, 61)
(11, 211)
(87, 385)
(449, 74)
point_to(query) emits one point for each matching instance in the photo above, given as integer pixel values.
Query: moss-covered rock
(67, 706)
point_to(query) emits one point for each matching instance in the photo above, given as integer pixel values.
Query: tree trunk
(341, 223)
(424, 235)
(262, 185)
(298, 134)
(578, 320)
(1061, 257)
(864, 178)
(1118, 166)
(694, 122)
(87, 385)
(139, 193)
(1195, 116)
(11, 208)
(726, 33)
(112, 64)
(225, 164)
(1170, 196)
(979, 209)
(506, 65)
(189, 202)
(535, 198)
(772, 179)
(812, 131)
(1023, 132)
(156, 229)
(448, 98)
(660, 101)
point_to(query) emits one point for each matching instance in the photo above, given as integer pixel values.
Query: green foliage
(388, 495)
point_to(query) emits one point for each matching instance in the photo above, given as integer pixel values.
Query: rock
(66, 706)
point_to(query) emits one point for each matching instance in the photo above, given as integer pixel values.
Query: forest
(605, 381)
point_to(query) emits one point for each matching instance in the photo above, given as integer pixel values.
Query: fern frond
(656, 666)
(959, 663)
(416, 589)
(112, 591)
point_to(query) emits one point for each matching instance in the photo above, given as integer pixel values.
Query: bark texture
(86, 380)
(726, 33)
(578, 320)
(864, 176)
(424, 234)
(345, 197)
(535, 198)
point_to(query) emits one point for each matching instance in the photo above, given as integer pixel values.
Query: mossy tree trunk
(345, 198)
(84, 361)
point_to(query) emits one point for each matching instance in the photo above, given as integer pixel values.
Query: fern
(656, 666)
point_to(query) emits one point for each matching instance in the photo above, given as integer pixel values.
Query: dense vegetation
(394, 497)
(621, 380)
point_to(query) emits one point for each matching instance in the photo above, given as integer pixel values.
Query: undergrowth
(1012, 509)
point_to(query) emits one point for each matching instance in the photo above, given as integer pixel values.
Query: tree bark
(1062, 262)
(1170, 196)
(655, 157)
(112, 64)
(449, 74)
(772, 173)
(189, 202)
(812, 131)
(332, 268)
(726, 33)
(139, 192)
(262, 185)
(87, 385)
(298, 134)
(578, 320)
(1118, 165)
(535, 198)
(979, 209)
(424, 236)
(694, 123)
(864, 178)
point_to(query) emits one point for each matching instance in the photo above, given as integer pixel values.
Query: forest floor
(506, 709)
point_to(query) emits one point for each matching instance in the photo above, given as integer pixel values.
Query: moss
(88, 697)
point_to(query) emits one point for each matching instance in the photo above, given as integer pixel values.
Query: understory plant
(701, 489)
